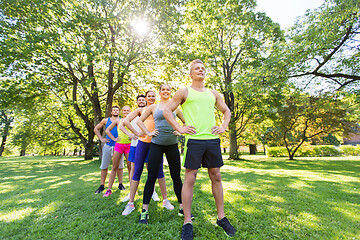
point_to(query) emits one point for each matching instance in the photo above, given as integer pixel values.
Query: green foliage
(234, 41)
(324, 48)
(80, 54)
(350, 150)
(303, 117)
(276, 152)
(305, 151)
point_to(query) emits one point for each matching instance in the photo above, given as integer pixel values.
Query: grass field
(265, 198)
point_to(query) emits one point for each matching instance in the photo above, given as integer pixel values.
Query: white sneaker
(128, 209)
(168, 205)
(126, 198)
(155, 197)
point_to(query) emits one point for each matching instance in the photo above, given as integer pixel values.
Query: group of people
(151, 130)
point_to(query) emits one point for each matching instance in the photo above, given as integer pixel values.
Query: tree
(324, 45)
(6, 119)
(82, 52)
(303, 117)
(235, 41)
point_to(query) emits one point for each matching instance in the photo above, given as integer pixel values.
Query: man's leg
(187, 193)
(217, 190)
(107, 152)
(104, 173)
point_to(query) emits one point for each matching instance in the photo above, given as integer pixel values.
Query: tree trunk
(89, 150)
(22, 153)
(233, 150)
(6, 121)
(3, 142)
(252, 148)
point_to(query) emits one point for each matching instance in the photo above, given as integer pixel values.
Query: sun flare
(141, 27)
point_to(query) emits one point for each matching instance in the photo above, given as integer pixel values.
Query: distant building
(353, 139)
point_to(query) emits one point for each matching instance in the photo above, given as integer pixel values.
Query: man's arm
(220, 104)
(97, 130)
(179, 98)
(180, 115)
(110, 127)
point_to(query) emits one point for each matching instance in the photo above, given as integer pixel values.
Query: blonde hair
(193, 62)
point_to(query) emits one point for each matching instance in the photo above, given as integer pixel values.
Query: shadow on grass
(46, 198)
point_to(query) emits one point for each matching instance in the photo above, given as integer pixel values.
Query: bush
(305, 151)
(326, 150)
(350, 150)
(277, 152)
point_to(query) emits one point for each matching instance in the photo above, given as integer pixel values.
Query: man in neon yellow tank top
(202, 146)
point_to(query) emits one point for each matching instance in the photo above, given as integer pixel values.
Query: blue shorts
(141, 156)
(132, 155)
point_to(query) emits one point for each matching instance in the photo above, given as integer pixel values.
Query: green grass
(265, 198)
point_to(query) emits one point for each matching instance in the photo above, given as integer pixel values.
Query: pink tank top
(150, 125)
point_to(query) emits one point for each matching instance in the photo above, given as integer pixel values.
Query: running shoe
(121, 187)
(187, 232)
(155, 197)
(128, 209)
(100, 189)
(168, 205)
(126, 198)
(108, 193)
(226, 225)
(181, 214)
(144, 217)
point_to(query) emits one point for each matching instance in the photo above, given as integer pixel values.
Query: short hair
(164, 85)
(139, 96)
(115, 107)
(149, 91)
(125, 107)
(193, 62)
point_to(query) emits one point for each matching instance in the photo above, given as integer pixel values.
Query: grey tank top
(166, 136)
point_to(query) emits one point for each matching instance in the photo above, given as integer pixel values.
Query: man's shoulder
(182, 91)
(104, 120)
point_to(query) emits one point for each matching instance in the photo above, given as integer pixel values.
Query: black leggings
(155, 159)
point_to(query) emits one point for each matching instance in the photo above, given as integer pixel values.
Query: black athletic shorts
(205, 153)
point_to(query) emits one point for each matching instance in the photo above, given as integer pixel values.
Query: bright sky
(285, 12)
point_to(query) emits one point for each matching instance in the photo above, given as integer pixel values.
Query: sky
(285, 12)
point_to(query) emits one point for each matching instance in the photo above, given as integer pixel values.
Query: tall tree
(82, 52)
(235, 40)
(324, 45)
(302, 117)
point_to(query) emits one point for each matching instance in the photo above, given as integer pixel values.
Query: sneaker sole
(128, 213)
(146, 221)
(225, 231)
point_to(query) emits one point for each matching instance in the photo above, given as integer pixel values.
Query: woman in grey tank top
(164, 140)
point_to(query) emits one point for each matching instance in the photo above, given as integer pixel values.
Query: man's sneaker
(100, 189)
(108, 193)
(128, 209)
(168, 205)
(187, 232)
(121, 187)
(181, 214)
(126, 198)
(226, 225)
(155, 197)
(144, 217)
